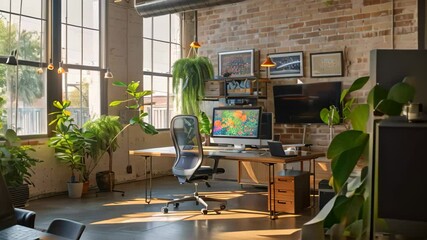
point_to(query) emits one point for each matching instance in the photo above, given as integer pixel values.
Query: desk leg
(148, 182)
(314, 182)
(272, 191)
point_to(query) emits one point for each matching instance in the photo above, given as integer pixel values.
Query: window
(161, 48)
(22, 88)
(81, 52)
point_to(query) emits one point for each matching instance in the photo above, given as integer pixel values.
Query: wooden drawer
(214, 88)
(286, 206)
(282, 193)
(287, 183)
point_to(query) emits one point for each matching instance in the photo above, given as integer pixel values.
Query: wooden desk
(260, 156)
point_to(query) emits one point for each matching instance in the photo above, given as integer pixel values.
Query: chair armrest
(25, 217)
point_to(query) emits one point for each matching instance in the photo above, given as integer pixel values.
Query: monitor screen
(238, 126)
(302, 103)
(236, 122)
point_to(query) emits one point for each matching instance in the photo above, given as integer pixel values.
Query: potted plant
(345, 214)
(188, 84)
(71, 144)
(108, 128)
(105, 129)
(16, 167)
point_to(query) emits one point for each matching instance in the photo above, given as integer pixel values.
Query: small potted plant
(71, 144)
(16, 167)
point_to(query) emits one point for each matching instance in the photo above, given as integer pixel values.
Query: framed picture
(236, 63)
(326, 64)
(287, 65)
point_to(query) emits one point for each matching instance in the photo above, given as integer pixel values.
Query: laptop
(9, 229)
(276, 149)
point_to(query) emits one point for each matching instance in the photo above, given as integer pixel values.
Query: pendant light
(108, 74)
(268, 62)
(61, 70)
(194, 45)
(12, 60)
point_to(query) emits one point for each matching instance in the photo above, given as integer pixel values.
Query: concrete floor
(111, 216)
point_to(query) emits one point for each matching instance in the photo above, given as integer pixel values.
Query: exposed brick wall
(352, 26)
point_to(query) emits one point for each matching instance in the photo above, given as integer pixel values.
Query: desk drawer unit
(292, 193)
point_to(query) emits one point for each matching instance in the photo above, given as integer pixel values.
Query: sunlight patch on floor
(223, 195)
(256, 234)
(188, 216)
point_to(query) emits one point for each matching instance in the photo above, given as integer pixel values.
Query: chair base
(199, 200)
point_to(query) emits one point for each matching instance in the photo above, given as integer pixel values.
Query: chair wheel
(204, 211)
(175, 205)
(217, 212)
(123, 194)
(164, 210)
(222, 206)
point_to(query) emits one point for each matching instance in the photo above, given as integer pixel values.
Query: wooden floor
(111, 216)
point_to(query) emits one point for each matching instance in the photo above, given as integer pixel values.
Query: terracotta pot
(85, 187)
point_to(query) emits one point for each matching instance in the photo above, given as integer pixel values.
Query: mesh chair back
(188, 146)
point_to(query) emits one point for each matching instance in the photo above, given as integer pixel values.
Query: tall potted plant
(71, 143)
(188, 84)
(345, 215)
(16, 167)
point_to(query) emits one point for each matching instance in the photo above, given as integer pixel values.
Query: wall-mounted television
(302, 103)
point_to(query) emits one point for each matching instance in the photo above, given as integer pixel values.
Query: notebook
(276, 149)
(9, 229)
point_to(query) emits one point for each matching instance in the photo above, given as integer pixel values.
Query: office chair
(66, 228)
(188, 163)
(25, 217)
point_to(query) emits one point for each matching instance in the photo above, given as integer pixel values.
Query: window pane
(147, 27)
(5, 6)
(161, 57)
(32, 8)
(84, 103)
(4, 34)
(160, 97)
(31, 114)
(74, 46)
(15, 5)
(64, 11)
(175, 28)
(29, 46)
(161, 28)
(91, 14)
(90, 47)
(74, 12)
(147, 64)
(175, 53)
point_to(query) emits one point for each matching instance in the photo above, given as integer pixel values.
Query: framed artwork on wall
(236, 63)
(328, 64)
(287, 65)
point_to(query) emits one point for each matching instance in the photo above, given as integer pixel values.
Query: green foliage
(71, 142)
(348, 147)
(135, 100)
(205, 126)
(15, 163)
(188, 79)
(105, 130)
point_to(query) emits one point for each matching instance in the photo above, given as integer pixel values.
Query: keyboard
(18, 232)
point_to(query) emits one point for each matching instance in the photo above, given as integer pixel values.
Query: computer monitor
(237, 126)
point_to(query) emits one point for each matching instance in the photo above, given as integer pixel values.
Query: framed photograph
(287, 65)
(326, 64)
(236, 63)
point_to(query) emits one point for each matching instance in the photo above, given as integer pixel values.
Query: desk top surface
(257, 155)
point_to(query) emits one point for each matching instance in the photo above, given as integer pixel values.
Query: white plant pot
(75, 190)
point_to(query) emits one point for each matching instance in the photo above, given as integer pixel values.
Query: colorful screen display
(236, 122)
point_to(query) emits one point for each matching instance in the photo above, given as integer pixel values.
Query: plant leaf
(358, 84)
(359, 117)
(401, 92)
(376, 95)
(390, 107)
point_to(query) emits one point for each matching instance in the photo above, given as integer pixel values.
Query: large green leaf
(376, 95)
(358, 84)
(359, 117)
(401, 93)
(390, 107)
(119, 84)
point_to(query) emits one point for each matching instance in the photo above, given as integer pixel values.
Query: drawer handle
(285, 180)
(282, 191)
(282, 202)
